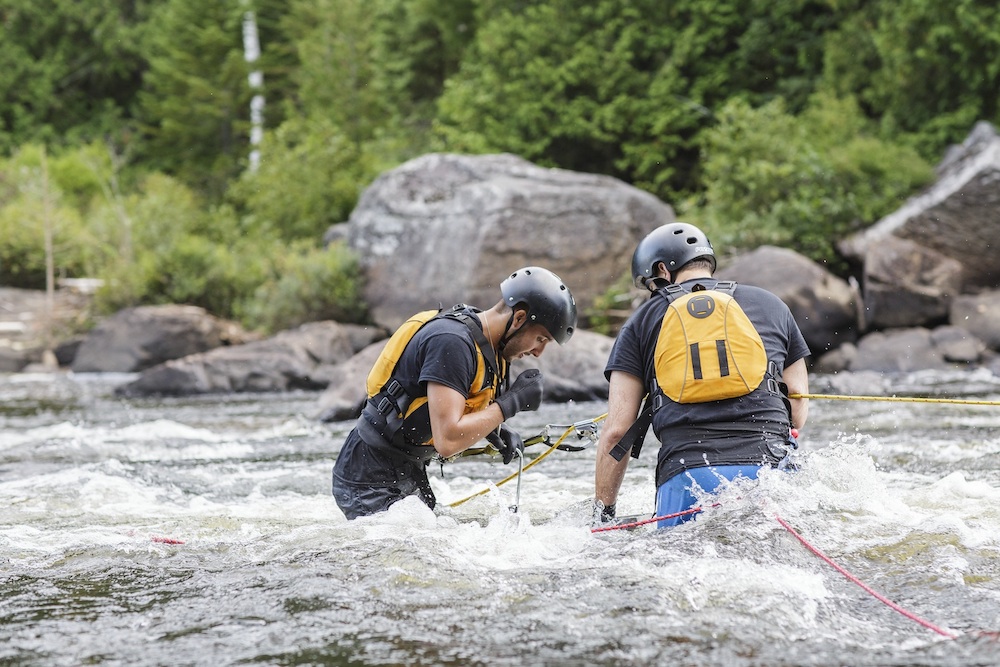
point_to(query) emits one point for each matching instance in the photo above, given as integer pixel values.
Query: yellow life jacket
(388, 405)
(707, 349)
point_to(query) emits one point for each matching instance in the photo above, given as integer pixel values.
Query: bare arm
(452, 429)
(797, 379)
(624, 402)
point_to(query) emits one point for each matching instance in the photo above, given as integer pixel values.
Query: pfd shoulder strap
(673, 291)
(492, 366)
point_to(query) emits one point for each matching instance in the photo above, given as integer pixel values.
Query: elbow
(609, 438)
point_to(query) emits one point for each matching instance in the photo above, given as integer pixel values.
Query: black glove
(524, 394)
(507, 441)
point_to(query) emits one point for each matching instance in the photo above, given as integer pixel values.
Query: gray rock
(978, 314)
(442, 229)
(838, 360)
(957, 344)
(135, 339)
(899, 351)
(956, 216)
(824, 306)
(907, 284)
(287, 361)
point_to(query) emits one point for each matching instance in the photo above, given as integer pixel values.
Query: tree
(195, 97)
(829, 175)
(925, 68)
(624, 87)
(69, 70)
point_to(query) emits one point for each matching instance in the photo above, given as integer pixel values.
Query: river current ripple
(201, 531)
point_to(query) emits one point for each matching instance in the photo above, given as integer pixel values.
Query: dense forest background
(126, 128)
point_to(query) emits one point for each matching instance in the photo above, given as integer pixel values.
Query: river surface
(201, 531)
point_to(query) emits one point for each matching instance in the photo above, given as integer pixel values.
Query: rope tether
(881, 598)
(865, 587)
(577, 427)
(896, 399)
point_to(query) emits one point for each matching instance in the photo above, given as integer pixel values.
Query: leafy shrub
(306, 284)
(801, 182)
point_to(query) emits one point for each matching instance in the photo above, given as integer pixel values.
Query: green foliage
(333, 39)
(31, 196)
(308, 180)
(195, 95)
(69, 70)
(416, 46)
(624, 87)
(926, 68)
(610, 310)
(827, 175)
(306, 284)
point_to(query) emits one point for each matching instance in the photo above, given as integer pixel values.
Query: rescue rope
(542, 437)
(896, 399)
(881, 598)
(643, 522)
(829, 561)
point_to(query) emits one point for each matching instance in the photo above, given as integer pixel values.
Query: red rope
(865, 587)
(881, 598)
(636, 524)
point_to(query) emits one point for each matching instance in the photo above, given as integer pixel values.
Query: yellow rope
(548, 451)
(896, 399)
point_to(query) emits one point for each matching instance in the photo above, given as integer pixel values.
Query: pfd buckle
(394, 388)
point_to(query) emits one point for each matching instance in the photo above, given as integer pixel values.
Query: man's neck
(692, 274)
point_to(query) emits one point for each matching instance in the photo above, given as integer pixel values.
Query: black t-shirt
(441, 351)
(735, 431)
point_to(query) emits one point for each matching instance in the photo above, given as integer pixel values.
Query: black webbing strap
(636, 434)
(492, 366)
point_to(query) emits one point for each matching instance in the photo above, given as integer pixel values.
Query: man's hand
(507, 442)
(524, 394)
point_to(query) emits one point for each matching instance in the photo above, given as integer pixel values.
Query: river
(201, 531)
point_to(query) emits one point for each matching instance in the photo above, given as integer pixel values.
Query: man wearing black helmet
(440, 386)
(715, 362)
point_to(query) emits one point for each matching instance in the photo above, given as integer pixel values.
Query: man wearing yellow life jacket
(716, 362)
(440, 386)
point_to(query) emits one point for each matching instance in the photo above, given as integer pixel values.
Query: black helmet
(675, 245)
(546, 298)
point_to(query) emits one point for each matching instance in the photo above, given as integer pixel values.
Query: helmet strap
(504, 338)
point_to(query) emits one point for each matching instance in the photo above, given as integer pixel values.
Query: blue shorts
(676, 494)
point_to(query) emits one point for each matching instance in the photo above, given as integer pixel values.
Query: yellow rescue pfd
(388, 405)
(707, 349)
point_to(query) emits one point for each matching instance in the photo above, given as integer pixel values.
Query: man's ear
(520, 317)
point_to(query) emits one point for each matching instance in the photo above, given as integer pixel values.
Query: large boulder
(135, 339)
(908, 285)
(443, 229)
(980, 315)
(824, 306)
(290, 360)
(956, 216)
(900, 351)
(574, 371)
